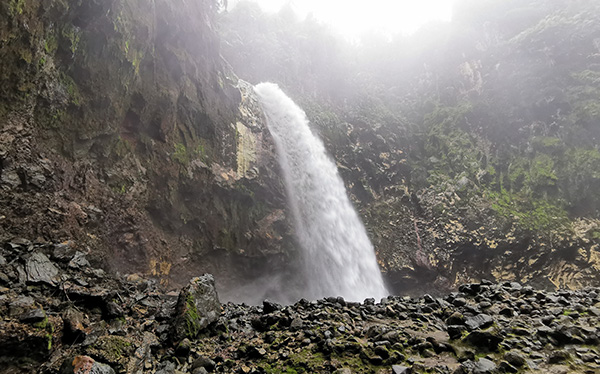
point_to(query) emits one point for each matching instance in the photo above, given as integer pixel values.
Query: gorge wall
(471, 152)
(470, 147)
(124, 133)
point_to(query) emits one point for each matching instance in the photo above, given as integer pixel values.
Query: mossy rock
(114, 350)
(198, 306)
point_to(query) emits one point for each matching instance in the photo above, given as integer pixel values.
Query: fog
(353, 18)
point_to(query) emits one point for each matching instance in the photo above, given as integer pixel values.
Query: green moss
(226, 239)
(542, 171)
(269, 369)
(51, 44)
(48, 327)
(192, 318)
(309, 361)
(16, 7)
(42, 324)
(122, 147)
(531, 214)
(133, 56)
(180, 154)
(73, 36)
(72, 89)
(201, 151)
(112, 348)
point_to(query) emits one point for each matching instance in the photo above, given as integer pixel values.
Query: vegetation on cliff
(479, 137)
(123, 131)
(471, 147)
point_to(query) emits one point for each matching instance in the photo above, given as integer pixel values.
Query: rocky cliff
(126, 135)
(470, 147)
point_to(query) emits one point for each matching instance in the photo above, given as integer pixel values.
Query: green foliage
(583, 97)
(51, 44)
(112, 347)
(72, 89)
(16, 7)
(73, 36)
(46, 326)
(541, 172)
(450, 149)
(122, 147)
(192, 318)
(545, 143)
(535, 215)
(180, 154)
(517, 173)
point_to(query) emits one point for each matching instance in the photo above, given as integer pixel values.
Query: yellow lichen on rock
(565, 275)
(246, 149)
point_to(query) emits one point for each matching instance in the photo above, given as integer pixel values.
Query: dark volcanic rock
(33, 316)
(398, 369)
(558, 357)
(197, 306)
(484, 366)
(85, 365)
(40, 269)
(478, 321)
(130, 325)
(515, 359)
(484, 339)
(270, 306)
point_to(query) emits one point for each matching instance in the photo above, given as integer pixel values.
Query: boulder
(478, 322)
(484, 366)
(270, 306)
(85, 364)
(515, 358)
(40, 269)
(398, 369)
(33, 316)
(484, 340)
(197, 306)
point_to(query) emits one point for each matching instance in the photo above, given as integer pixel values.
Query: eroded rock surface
(123, 131)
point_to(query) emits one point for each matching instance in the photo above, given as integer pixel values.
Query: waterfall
(338, 258)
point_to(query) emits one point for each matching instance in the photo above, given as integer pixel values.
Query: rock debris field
(59, 314)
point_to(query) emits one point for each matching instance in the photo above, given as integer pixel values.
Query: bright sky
(353, 17)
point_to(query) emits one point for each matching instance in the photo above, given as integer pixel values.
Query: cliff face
(470, 147)
(125, 133)
(471, 152)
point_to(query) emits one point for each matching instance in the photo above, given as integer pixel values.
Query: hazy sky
(353, 17)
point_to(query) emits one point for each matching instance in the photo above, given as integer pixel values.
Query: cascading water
(338, 257)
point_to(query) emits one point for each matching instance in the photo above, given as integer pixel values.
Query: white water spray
(338, 257)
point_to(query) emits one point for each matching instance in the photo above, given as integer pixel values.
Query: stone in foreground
(197, 306)
(85, 365)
